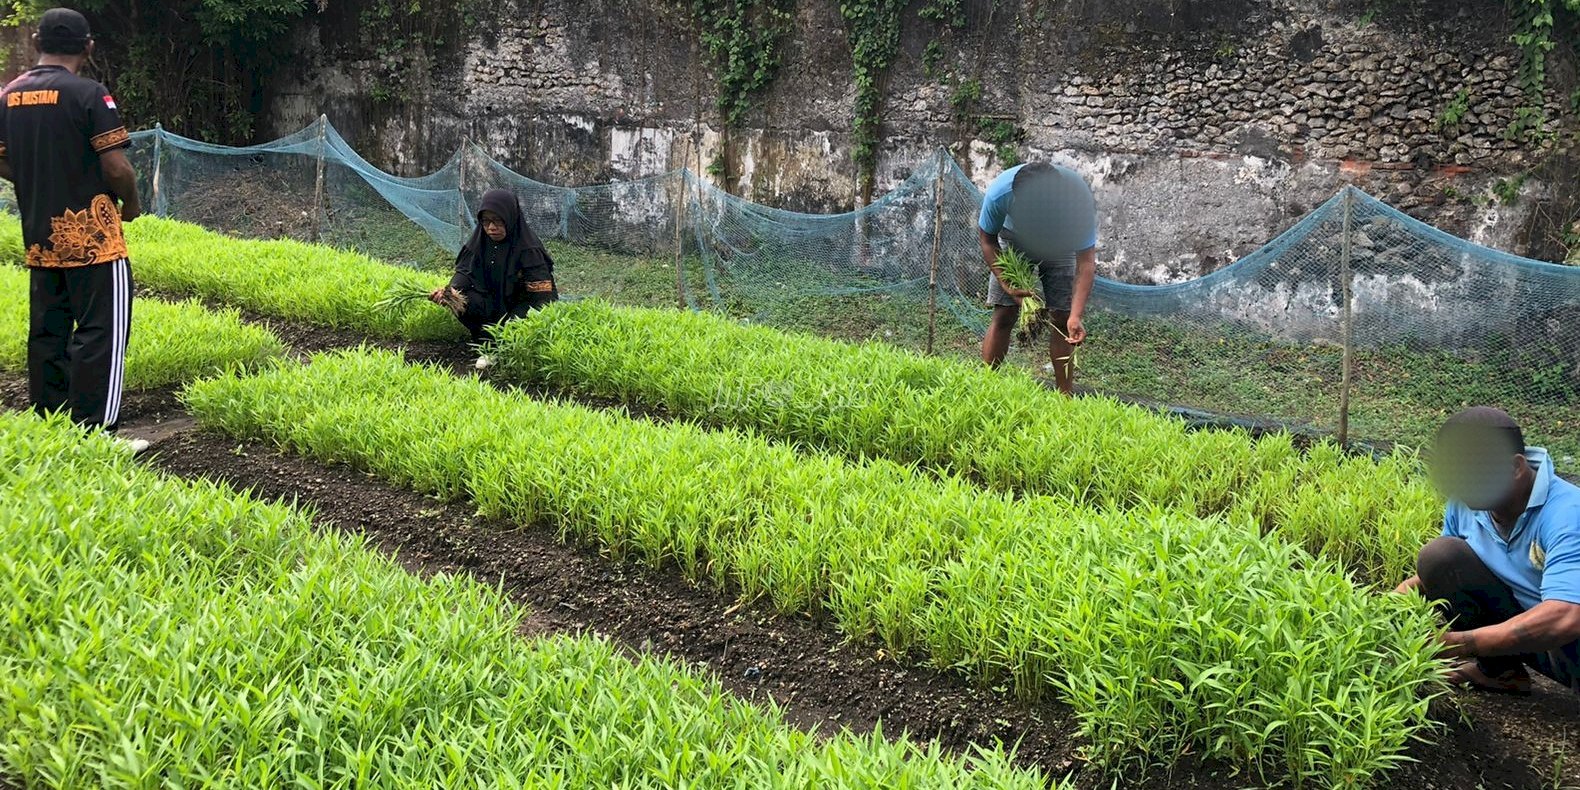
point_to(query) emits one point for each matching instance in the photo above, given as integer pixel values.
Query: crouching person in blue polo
(1506, 570)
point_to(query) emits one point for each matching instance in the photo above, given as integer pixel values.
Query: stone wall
(1206, 126)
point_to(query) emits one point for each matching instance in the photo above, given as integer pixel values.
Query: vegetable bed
(1002, 429)
(170, 342)
(286, 279)
(173, 633)
(1167, 633)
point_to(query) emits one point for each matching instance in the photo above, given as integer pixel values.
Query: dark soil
(820, 680)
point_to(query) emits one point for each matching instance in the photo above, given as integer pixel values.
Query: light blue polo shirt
(996, 204)
(1540, 561)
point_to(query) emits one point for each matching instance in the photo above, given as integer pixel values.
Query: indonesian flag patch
(109, 101)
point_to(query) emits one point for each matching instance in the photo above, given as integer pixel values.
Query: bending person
(1506, 570)
(503, 271)
(1046, 213)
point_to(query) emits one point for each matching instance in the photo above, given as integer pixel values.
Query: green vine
(406, 37)
(949, 13)
(744, 38)
(874, 30)
(1454, 112)
(1004, 136)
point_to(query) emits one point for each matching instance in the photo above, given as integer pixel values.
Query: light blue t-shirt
(1540, 561)
(1000, 199)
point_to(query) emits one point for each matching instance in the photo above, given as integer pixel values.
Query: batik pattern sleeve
(105, 129)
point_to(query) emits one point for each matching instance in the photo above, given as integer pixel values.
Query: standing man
(1506, 570)
(63, 145)
(1047, 214)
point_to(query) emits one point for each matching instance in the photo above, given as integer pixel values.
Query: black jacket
(497, 277)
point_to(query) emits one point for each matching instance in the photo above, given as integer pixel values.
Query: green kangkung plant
(1169, 634)
(167, 631)
(174, 341)
(876, 401)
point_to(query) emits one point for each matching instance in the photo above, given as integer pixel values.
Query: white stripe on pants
(120, 333)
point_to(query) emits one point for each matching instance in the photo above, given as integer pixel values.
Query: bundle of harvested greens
(401, 294)
(1021, 273)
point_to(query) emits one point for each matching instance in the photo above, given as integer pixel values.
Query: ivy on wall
(745, 38)
(874, 30)
(1539, 26)
(965, 85)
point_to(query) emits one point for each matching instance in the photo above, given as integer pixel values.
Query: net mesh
(1434, 323)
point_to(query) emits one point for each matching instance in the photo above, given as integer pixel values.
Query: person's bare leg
(1061, 353)
(1001, 327)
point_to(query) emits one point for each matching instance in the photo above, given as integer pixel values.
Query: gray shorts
(1058, 282)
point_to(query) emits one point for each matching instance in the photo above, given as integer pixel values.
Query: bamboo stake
(318, 186)
(460, 184)
(680, 214)
(938, 243)
(1347, 276)
(159, 158)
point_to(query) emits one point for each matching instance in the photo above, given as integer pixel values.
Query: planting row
(285, 279)
(167, 633)
(170, 342)
(1001, 429)
(1169, 634)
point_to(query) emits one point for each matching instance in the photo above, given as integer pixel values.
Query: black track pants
(76, 346)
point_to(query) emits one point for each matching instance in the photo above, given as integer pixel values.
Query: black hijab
(492, 273)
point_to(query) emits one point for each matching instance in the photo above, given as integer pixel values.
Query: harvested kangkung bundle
(1020, 273)
(401, 294)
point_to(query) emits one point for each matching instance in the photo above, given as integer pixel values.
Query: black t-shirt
(53, 127)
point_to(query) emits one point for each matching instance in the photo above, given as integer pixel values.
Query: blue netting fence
(1431, 322)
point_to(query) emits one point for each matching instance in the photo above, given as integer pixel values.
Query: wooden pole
(460, 185)
(159, 159)
(680, 217)
(938, 244)
(1347, 275)
(318, 186)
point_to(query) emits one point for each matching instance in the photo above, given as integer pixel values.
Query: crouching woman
(502, 272)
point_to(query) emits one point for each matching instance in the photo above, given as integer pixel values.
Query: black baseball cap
(63, 31)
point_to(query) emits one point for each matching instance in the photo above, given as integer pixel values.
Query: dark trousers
(1471, 596)
(478, 321)
(76, 345)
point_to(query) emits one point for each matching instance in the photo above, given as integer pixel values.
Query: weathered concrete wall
(1206, 126)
